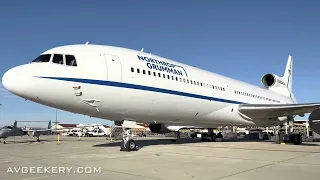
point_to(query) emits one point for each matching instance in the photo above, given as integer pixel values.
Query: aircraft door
(114, 68)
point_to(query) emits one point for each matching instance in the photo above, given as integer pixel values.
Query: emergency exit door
(114, 69)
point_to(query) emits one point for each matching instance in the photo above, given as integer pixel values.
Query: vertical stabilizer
(15, 124)
(49, 125)
(281, 85)
(287, 77)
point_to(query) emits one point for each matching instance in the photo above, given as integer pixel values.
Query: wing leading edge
(276, 110)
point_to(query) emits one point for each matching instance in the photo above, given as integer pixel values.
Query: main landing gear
(210, 136)
(294, 138)
(127, 144)
(177, 133)
(4, 141)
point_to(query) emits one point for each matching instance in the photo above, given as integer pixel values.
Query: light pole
(56, 127)
(56, 120)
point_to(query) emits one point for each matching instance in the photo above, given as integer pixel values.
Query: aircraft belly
(122, 103)
(117, 103)
(228, 115)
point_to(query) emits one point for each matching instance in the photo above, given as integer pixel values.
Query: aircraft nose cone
(1, 134)
(7, 79)
(14, 81)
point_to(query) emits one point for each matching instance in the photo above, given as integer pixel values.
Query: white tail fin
(281, 85)
(287, 76)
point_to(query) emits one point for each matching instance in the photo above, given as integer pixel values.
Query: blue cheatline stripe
(145, 88)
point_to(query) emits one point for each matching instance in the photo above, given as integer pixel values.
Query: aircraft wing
(32, 130)
(276, 110)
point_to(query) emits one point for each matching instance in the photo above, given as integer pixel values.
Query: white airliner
(131, 86)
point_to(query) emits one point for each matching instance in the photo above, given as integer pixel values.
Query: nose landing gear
(4, 141)
(127, 144)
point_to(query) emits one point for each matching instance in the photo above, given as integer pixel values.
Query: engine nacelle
(272, 80)
(159, 128)
(166, 128)
(314, 121)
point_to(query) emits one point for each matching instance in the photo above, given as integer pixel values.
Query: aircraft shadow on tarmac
(303, 144)
(273, 141)
(18, 140)
(27, 141)
(153, 142)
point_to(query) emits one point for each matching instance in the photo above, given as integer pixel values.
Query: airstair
(115, 132)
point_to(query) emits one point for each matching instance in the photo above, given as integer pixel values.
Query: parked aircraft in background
(130, 86)
(9, 131)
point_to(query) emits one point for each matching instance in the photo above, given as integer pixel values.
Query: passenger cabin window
(43, 58)
(71, 60)
(58, 59)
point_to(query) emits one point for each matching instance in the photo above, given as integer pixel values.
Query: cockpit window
(71, 60)
(57, 58)
(43, 58)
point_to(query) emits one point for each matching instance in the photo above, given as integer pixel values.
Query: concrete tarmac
(22, 158)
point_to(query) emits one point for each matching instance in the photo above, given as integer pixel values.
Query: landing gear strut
(177, 136)
(4, 141)
(210, 136)
(38, 140)
(295, 138)
(127, 143)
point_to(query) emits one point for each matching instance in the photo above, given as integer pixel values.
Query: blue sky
(240, 39)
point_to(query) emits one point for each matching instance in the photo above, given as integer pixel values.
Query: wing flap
(276, 110)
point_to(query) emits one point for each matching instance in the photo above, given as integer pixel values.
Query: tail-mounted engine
(272, 80)
(314, 121)
(276, 84)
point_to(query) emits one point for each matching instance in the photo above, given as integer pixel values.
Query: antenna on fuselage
(141, 50)
(87, 43)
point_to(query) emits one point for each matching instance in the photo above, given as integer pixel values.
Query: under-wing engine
(159, 128)
(166, 128)
(314, 121)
